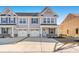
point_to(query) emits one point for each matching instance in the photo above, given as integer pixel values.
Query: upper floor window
(34, 20)
(44, 20)
(52, 20)
(7, 20)
(12, 20)
(48, 20)
(22, 20)
(4, 20)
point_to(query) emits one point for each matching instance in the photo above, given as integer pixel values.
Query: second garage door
(34, 33)
(22, 33)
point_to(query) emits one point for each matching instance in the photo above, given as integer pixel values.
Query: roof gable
(70, 17)
(48, 11)
(8, 11)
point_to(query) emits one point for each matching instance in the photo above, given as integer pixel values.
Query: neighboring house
(23, 24)
(70, 26)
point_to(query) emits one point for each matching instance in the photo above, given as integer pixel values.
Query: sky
(61, 11)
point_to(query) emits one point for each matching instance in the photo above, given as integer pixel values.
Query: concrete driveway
(30, 45)
(36, 45)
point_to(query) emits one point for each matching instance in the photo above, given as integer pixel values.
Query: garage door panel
(34, 33)
(22, 33)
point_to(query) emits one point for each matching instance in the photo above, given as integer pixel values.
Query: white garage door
(34, 33)
(22, 33)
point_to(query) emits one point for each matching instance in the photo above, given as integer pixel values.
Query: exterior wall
(71, 25)
(22, 25)
(34, 25)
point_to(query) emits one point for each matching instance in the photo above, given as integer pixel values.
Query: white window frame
(12, 20)
(4, 18)
(34, 23)
(22, 19)
(50, 20)
(53, 20)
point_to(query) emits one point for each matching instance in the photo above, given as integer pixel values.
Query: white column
(41, 31)
(40, 20)
(50, 20)
(28, 25)
(12, 32)
(55, 21)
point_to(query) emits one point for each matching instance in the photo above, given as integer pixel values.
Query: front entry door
(4, 30)
(51, 30)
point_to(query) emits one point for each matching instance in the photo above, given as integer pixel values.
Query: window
(7, 20)
(4, 20)
(52, 20)
(12, 20)
(44, 20)
(22, 21)
(76, 30)
(34, 20)
(48, 20)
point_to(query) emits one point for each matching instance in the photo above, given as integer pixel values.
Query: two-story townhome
(24, 24)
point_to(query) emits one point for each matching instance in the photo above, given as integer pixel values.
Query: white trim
(12, 32)
(50, 20)
(21, 18)
(35, 23)
(34, 28)
(41, 31)
(49, 26)
(21, 28)
(28, 25)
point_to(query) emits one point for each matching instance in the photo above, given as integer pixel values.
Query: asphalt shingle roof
(27, 14)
